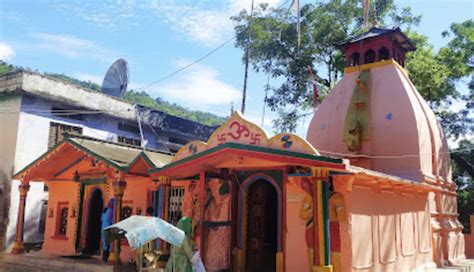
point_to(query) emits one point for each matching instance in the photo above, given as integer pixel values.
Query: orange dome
(402, 135)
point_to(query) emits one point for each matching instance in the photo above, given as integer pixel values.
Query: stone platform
(39, 262)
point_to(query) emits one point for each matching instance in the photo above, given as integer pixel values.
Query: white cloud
(207, 26)
(202, 21)
(200, 86)
(72, 47)
(7, 52)
(89, 77)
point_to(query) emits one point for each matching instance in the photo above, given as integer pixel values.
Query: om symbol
(241, 130)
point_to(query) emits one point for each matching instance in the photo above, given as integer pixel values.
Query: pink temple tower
(376, 118)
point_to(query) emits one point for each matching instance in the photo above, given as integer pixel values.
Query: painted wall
(32, 141)
(385, 230)
(64, 191)
(470, 240)
(8, 139)
(296, 248)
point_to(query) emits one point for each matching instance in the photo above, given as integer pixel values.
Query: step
(39, 262)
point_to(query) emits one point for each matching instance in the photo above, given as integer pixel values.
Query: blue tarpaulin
(140, 230)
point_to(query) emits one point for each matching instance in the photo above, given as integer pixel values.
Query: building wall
(296, 257)
(61, 192)
(385, 230)
(8, 139)
(32, 141)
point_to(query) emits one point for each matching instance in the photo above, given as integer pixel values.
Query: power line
(198, 60)
(187, 66)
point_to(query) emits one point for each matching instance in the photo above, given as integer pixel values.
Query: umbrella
(140, 230)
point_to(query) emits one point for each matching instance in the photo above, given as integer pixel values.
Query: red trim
(59, 237)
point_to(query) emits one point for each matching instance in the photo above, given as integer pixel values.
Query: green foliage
(275, 52)
(438, 75)
(85, 84)
(6, 68)
(145, 99)
(463, 175)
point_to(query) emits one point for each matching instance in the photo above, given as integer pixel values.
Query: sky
(157, 37)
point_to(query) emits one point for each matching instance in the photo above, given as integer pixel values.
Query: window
(355, 58)
(369, 56)
(56, 133)
(127, 211)
(383, 53)
(128, 127)
(175, 204)
(66, 113)
(42, 222)
(129, 141)
(61, 219)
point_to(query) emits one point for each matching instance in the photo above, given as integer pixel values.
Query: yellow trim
(326, 268)
(367, 66)
(238, 259)
(319, 187)
(279, 262)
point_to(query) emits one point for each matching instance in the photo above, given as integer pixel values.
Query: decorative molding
(237, 129)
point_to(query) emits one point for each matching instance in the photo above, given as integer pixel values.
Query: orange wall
(135, 195)
(385, 230)
(296, 250)
(469, 238)
(60, 191)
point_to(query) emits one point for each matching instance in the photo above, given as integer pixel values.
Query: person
(107, 219)
(180, 257)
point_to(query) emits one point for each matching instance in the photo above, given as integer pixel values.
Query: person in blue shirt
(107, 219)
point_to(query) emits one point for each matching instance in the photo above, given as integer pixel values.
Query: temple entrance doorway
(95, 207)
(262, 227)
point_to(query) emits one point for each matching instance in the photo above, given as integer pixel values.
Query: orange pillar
(119, 187)
(18, 245)
(202, 202)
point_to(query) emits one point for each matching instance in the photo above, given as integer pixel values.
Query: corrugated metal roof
(121, 155)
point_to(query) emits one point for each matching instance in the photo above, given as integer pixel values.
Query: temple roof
(64, 155)
(374, 32)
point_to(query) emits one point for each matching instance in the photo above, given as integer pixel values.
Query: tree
(274, 49)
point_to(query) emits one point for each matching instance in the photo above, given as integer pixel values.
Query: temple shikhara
(369, 189)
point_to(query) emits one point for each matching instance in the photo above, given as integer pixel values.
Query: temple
(370, 188)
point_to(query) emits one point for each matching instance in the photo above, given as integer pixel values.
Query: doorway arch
(95, 206)
(264, 187)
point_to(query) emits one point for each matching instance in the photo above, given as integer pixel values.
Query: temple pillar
(18, 244)
(119, 188)
(164, 184)
(202, 203)
(321, 235)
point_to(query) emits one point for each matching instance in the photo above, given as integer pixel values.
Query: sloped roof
(120, 156)
(373, 32)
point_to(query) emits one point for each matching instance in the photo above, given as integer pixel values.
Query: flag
(315, 87)
(366, 13)
(296, 6)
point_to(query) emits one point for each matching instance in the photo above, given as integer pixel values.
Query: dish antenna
(116, 79)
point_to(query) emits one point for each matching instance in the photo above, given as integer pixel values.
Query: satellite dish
(116, 80)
